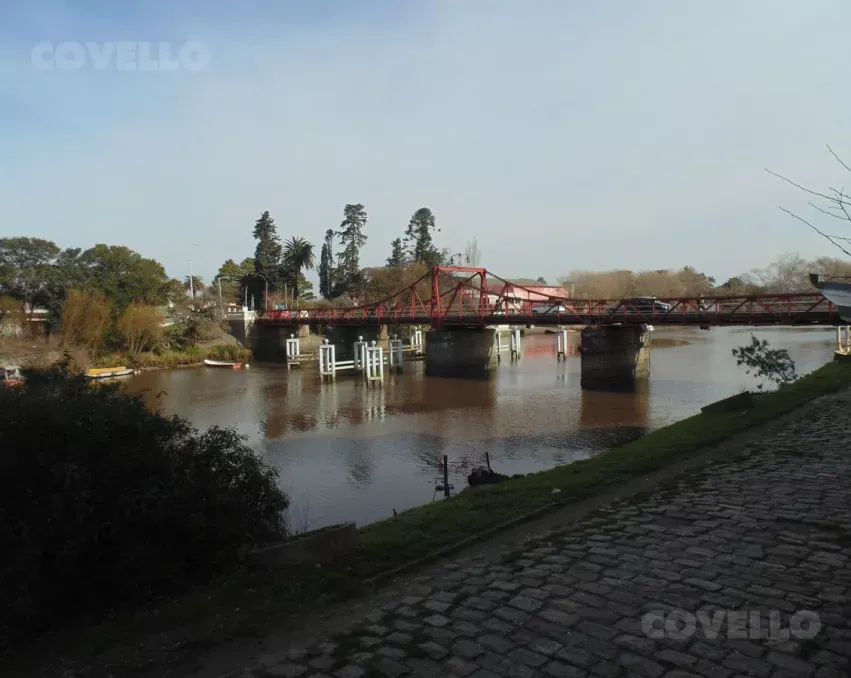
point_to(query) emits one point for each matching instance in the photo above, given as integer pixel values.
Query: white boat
(108, 372)
(226, 363)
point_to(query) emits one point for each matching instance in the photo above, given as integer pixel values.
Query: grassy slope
(246, 602)
(419, 531)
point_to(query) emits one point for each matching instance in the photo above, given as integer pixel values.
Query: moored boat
(108, 372)
(10, 375)
(837, 293)
(230, 364)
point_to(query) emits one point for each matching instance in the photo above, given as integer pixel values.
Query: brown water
(346, 451)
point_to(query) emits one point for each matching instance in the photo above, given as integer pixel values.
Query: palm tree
(298, 255)
(196, 285)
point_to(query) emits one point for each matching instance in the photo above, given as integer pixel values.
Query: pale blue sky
(562, 134)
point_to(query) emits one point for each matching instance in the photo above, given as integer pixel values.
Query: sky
(563, 135)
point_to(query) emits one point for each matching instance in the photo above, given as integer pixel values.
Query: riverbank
(253, 601)
(191, 357)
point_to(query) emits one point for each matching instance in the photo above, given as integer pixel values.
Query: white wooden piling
(515, 344)
(359, 351)
(327, 359)
(293, 351)
(499, 348)
(394, 352)
(561, 344)
(374, 363)
(417, 340)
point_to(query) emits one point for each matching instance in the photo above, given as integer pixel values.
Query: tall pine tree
(418, 237)
(351, 240)
(397, 254)
(326, 266)
(267, 254)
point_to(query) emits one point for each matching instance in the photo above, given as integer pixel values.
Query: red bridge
(450, 296)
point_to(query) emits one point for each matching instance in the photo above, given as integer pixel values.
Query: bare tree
(472, 255)
(787, 273)
(834, 203)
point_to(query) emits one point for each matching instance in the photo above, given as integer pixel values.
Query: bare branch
(806, 190)
(838, 159)
(824, 211)
(824, 235)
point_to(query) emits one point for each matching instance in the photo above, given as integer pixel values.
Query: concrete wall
(460, 352)
(614, 356)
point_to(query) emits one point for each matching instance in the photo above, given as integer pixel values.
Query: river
(346, 451)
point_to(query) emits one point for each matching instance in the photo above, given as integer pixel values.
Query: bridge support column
(460, 352)
(614, 356)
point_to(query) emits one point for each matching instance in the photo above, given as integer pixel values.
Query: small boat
(108, 372)
(837, 293)
(226, 363)
(10, 375)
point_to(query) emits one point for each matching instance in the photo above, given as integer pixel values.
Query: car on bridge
(553, 308)
(643, 305)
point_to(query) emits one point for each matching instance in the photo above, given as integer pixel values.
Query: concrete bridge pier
(614, 356)
(460, 352)
(269, 342)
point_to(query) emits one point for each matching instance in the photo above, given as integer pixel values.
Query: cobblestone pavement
(768, 534)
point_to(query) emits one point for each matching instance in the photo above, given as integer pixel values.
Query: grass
(247, 602)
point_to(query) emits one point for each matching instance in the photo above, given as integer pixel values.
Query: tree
(24, 268)
(86, 320)
(195, 285)
(298, 255)
(326, 266)
(761, 361)
(351, 240)
(267, 254)
(787, 273)
(122, 276)
(397, 254)
(140, 327)
(472, 255)
(541, 280)
(418, 237)
(834, 203)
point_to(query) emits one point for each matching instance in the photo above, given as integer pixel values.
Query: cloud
(562, 136)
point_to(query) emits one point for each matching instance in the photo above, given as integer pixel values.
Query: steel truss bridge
(454, 296)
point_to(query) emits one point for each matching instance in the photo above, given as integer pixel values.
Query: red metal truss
(455, 296)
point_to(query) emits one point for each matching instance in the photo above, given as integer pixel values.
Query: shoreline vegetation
(250, 602)
(173, 359)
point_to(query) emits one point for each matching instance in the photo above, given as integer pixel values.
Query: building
(520, 290)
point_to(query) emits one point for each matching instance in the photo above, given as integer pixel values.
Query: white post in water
(417, 340)
(561, 344)
(374, 363)
(515, 344)
(327, 359)
(359, 349)
(498, 338)
(843, 338)
(293, 350)
(394, 350)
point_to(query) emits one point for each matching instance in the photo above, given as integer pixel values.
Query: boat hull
(837, 293)
(108, 374)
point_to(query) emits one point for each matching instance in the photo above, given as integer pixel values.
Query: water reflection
(348, 451)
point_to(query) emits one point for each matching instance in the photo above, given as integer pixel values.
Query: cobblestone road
(768, 534)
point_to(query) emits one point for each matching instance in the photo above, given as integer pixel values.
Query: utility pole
(221, 303)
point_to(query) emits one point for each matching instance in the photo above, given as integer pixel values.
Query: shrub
(104, 502)
(139, 326)
(229, 352)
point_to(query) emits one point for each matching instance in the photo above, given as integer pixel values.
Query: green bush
(104, 502)
(229, 352)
